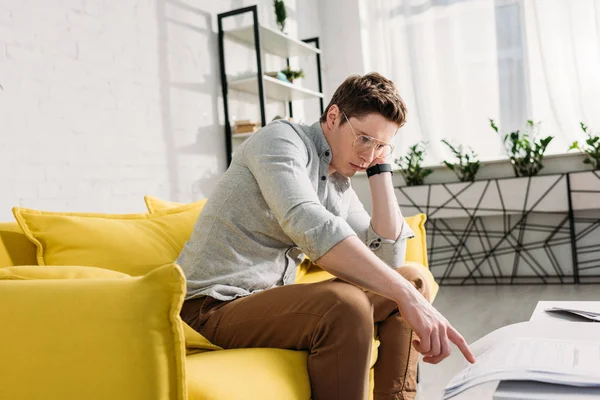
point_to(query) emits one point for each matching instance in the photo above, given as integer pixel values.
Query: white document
(527, 390)
(589, 315)
(541, 315)
(567, 354)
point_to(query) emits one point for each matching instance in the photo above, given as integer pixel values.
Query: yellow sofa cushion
(416, 248)
(32, 272)
(91, 336)
(130, 243)
(195, 342)
(266, 374)
(154, 204)
(15, 248)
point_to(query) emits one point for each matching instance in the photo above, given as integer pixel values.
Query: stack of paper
(589, 315)
(552, 353)
(528, 390)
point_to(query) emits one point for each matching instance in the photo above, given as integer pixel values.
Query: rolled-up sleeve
(392, 252)
(277, 158)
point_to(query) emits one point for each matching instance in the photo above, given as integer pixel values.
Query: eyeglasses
(364, 143)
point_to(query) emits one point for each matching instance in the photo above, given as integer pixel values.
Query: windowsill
(500, 168)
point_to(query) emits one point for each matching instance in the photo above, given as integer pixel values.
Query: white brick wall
(104, 101)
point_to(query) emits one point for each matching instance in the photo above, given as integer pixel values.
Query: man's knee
(351, 307)
(418, 276)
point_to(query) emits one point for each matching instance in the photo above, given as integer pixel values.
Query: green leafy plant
(280, 13)
(591, 150)
(410, 165)
(467, 166)
(291, 74)
(526, 153)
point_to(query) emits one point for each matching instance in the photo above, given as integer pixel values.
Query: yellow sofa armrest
(87, 333)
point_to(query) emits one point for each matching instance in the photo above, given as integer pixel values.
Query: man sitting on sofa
(287, 194)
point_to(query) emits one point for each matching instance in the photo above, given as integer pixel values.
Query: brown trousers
(333, 321)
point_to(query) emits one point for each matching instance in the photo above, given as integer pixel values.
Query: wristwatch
(379, 168)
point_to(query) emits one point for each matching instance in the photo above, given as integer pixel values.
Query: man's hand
(434, 331)
(380, 160)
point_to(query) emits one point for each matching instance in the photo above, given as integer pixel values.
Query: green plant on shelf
(280, 14)
(525, 152)
(291, 74)
(467, 165)
(591, 149)
(410, 165)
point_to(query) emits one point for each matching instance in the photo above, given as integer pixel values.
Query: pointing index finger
(461, 343)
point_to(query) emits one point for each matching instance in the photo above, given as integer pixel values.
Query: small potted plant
(291, 74)
(526, 153)
(591, 149)
(410, 165)
(280, 14)
(467, 164)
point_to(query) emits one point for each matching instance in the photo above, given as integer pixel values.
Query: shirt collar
(318, 137)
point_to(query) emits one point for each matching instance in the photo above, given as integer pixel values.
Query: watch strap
(379, 168)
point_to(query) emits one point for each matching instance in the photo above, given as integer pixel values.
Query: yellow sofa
(206, 371)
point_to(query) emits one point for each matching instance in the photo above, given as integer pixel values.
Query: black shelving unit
(264, 40)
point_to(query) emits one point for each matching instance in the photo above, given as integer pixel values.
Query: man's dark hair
(359, 95)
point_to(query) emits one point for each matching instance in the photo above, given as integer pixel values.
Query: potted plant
(591, 149)
(291, 74)
(410, 165)
(467, 166)
(280, 14)
(526, 153)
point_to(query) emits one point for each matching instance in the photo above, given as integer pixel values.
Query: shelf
(272, 41)
(242, 135)
(274, 89)
(277, 45)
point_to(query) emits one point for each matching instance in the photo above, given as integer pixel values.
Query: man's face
(359, 142)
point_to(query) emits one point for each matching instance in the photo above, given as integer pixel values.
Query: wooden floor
(477, 310)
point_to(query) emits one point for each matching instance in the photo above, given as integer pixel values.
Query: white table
(485, 391)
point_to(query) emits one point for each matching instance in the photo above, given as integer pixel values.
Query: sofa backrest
(15, 248)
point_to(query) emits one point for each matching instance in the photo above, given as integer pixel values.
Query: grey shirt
(275, 204)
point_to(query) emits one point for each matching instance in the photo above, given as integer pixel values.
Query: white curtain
(458, 63)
